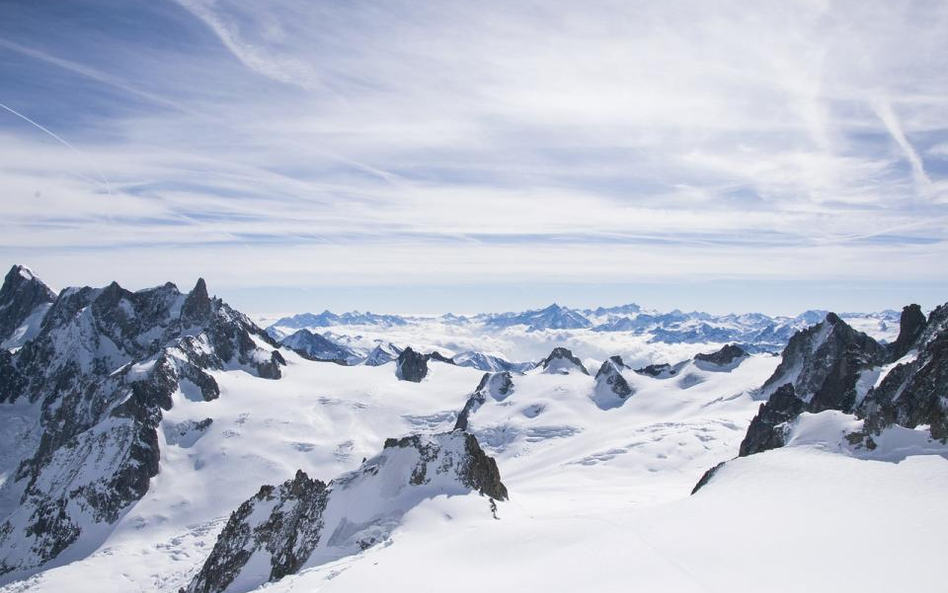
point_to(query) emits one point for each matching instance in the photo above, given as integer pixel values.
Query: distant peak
(21, 271)
(198, 303)
(20, 276)
(200, 289)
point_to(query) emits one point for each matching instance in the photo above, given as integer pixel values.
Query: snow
(599, 498)
(27, 330)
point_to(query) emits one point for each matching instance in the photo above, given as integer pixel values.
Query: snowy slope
(598, 466)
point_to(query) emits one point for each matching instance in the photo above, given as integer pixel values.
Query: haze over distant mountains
(528, 335)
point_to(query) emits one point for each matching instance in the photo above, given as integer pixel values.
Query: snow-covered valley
(597, 456)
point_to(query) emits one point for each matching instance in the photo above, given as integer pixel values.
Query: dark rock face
(288, 532)
(915, 393)
(437, 356)
(495, 385)
(22, 295)
(611, 385)
(103, 368)
(657, 370)
(475, 469)
(411, 366)
(561, 360)
(707, 477)
(823, 363)
(302, 516)
(911, 326)
(767, 429)
(724, 357)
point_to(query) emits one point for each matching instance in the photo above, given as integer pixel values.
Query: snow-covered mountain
(24, 300)
(159, 440)
(88, 394)
(521, 338)
(310, 344)
(329, 319)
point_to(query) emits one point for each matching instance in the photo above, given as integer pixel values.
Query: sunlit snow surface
(599, 499)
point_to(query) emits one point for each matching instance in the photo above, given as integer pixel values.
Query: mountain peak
(24, 299)
(561, 361)
(198, 303)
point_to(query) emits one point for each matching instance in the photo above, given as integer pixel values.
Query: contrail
(108, 186)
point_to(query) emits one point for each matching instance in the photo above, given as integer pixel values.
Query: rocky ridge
(101, 370)
(306, 522)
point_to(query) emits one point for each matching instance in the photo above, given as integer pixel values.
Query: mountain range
(160, 440)
(752, 329)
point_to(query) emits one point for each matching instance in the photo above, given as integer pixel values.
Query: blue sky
(412, 156)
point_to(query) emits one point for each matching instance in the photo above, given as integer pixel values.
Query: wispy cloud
(313, 143)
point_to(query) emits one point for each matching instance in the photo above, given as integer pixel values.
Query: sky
(405, 156)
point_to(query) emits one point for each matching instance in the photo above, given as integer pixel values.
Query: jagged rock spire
(198, 304)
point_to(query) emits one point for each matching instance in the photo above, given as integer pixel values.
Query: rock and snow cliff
(97, 376)
(306, 522)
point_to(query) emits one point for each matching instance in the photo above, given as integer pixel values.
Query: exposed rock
(24, 300)
(411, 366)
(103, 369)
(473, 468)
(659, 371)
(911, 326)
(495, 385)
(285, 523)
(561, 361)
(612, 389)
(437, 356)
(288, 524)
(915, 393)
(727, 358)
(768, 428)
(186, 433)
(706, 477)
(823, 364)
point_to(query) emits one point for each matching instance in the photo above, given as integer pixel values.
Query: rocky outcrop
(911, 325)
(707, 476)
(494, 385)
(725, 359)
(438, 357)
(102, 370)
(768, 428)
(658, 371)
(561, 361)
(823, 364)
(611, 389)
(24, 300)
(411, 366)
(283, 527)
(915, 393)
(284, 523)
